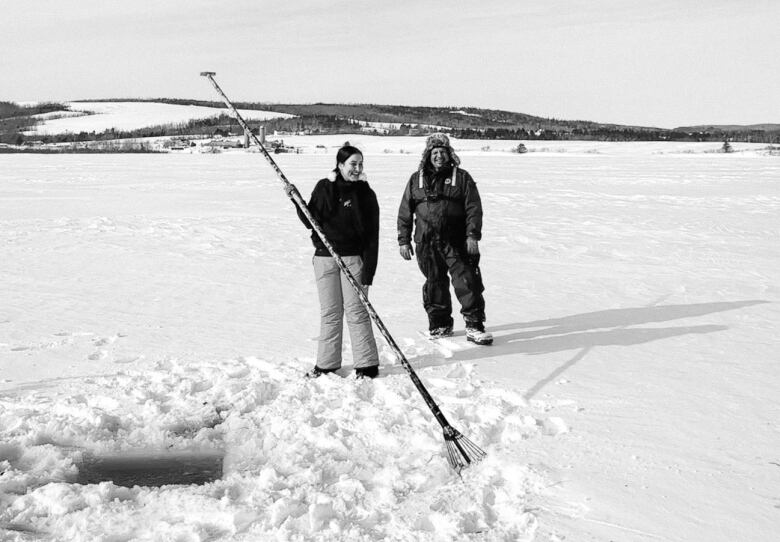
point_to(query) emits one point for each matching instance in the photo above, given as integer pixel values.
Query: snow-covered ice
(157, 304)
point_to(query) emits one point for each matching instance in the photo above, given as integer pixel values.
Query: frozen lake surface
(166, 303)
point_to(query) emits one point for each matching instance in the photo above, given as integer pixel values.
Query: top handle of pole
(290, 188)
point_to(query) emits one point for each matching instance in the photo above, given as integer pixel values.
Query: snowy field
(101, 116)
(165, 304)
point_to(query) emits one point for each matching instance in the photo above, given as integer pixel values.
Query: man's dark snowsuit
(444, 211)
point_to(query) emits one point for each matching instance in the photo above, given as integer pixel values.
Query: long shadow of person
(583, 332)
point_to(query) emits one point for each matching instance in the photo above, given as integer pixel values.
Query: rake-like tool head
(461, 452)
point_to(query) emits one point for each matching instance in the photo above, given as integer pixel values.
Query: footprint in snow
(103, 341)
(127, 359)
(554, 426)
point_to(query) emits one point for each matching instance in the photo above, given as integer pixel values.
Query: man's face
(439, 157)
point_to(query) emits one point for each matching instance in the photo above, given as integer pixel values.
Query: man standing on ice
(441, 203)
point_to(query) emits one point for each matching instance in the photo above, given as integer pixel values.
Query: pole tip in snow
(206, 74)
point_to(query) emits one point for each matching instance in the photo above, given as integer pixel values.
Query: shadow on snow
(583, 332)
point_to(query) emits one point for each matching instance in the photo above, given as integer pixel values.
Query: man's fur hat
(438, 140)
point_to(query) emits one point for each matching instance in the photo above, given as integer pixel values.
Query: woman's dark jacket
(348, 214)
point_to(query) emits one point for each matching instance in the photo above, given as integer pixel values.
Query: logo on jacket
(348, 203)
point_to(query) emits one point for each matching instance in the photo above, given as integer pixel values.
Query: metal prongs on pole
(461, 452)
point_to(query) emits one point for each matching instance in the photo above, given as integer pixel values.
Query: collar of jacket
(441, 173)
(336, 174)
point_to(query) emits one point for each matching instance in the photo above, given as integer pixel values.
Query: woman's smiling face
(352, 168)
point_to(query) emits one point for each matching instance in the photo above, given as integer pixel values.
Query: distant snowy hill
(130, 115)
(101, 116)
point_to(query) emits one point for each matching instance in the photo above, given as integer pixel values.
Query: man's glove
(472, 246)
(406, 252)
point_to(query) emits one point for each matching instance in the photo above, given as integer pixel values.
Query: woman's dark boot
(317, 372)
(367, 372)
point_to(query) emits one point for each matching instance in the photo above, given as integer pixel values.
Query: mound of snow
(331, 458)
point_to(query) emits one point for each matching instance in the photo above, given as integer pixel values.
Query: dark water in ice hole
(152, 469)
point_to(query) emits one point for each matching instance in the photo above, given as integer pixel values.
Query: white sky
(660, 63)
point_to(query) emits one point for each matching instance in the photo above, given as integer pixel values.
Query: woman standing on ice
(442, 204)
(346, 208)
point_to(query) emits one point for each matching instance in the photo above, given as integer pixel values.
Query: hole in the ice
(152, 469)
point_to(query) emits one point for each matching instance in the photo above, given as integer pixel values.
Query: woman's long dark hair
(345, 152)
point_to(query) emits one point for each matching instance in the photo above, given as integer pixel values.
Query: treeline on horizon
(15, 119)
(395, 120)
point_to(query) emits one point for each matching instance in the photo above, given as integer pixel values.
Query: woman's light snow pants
(337, 300)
